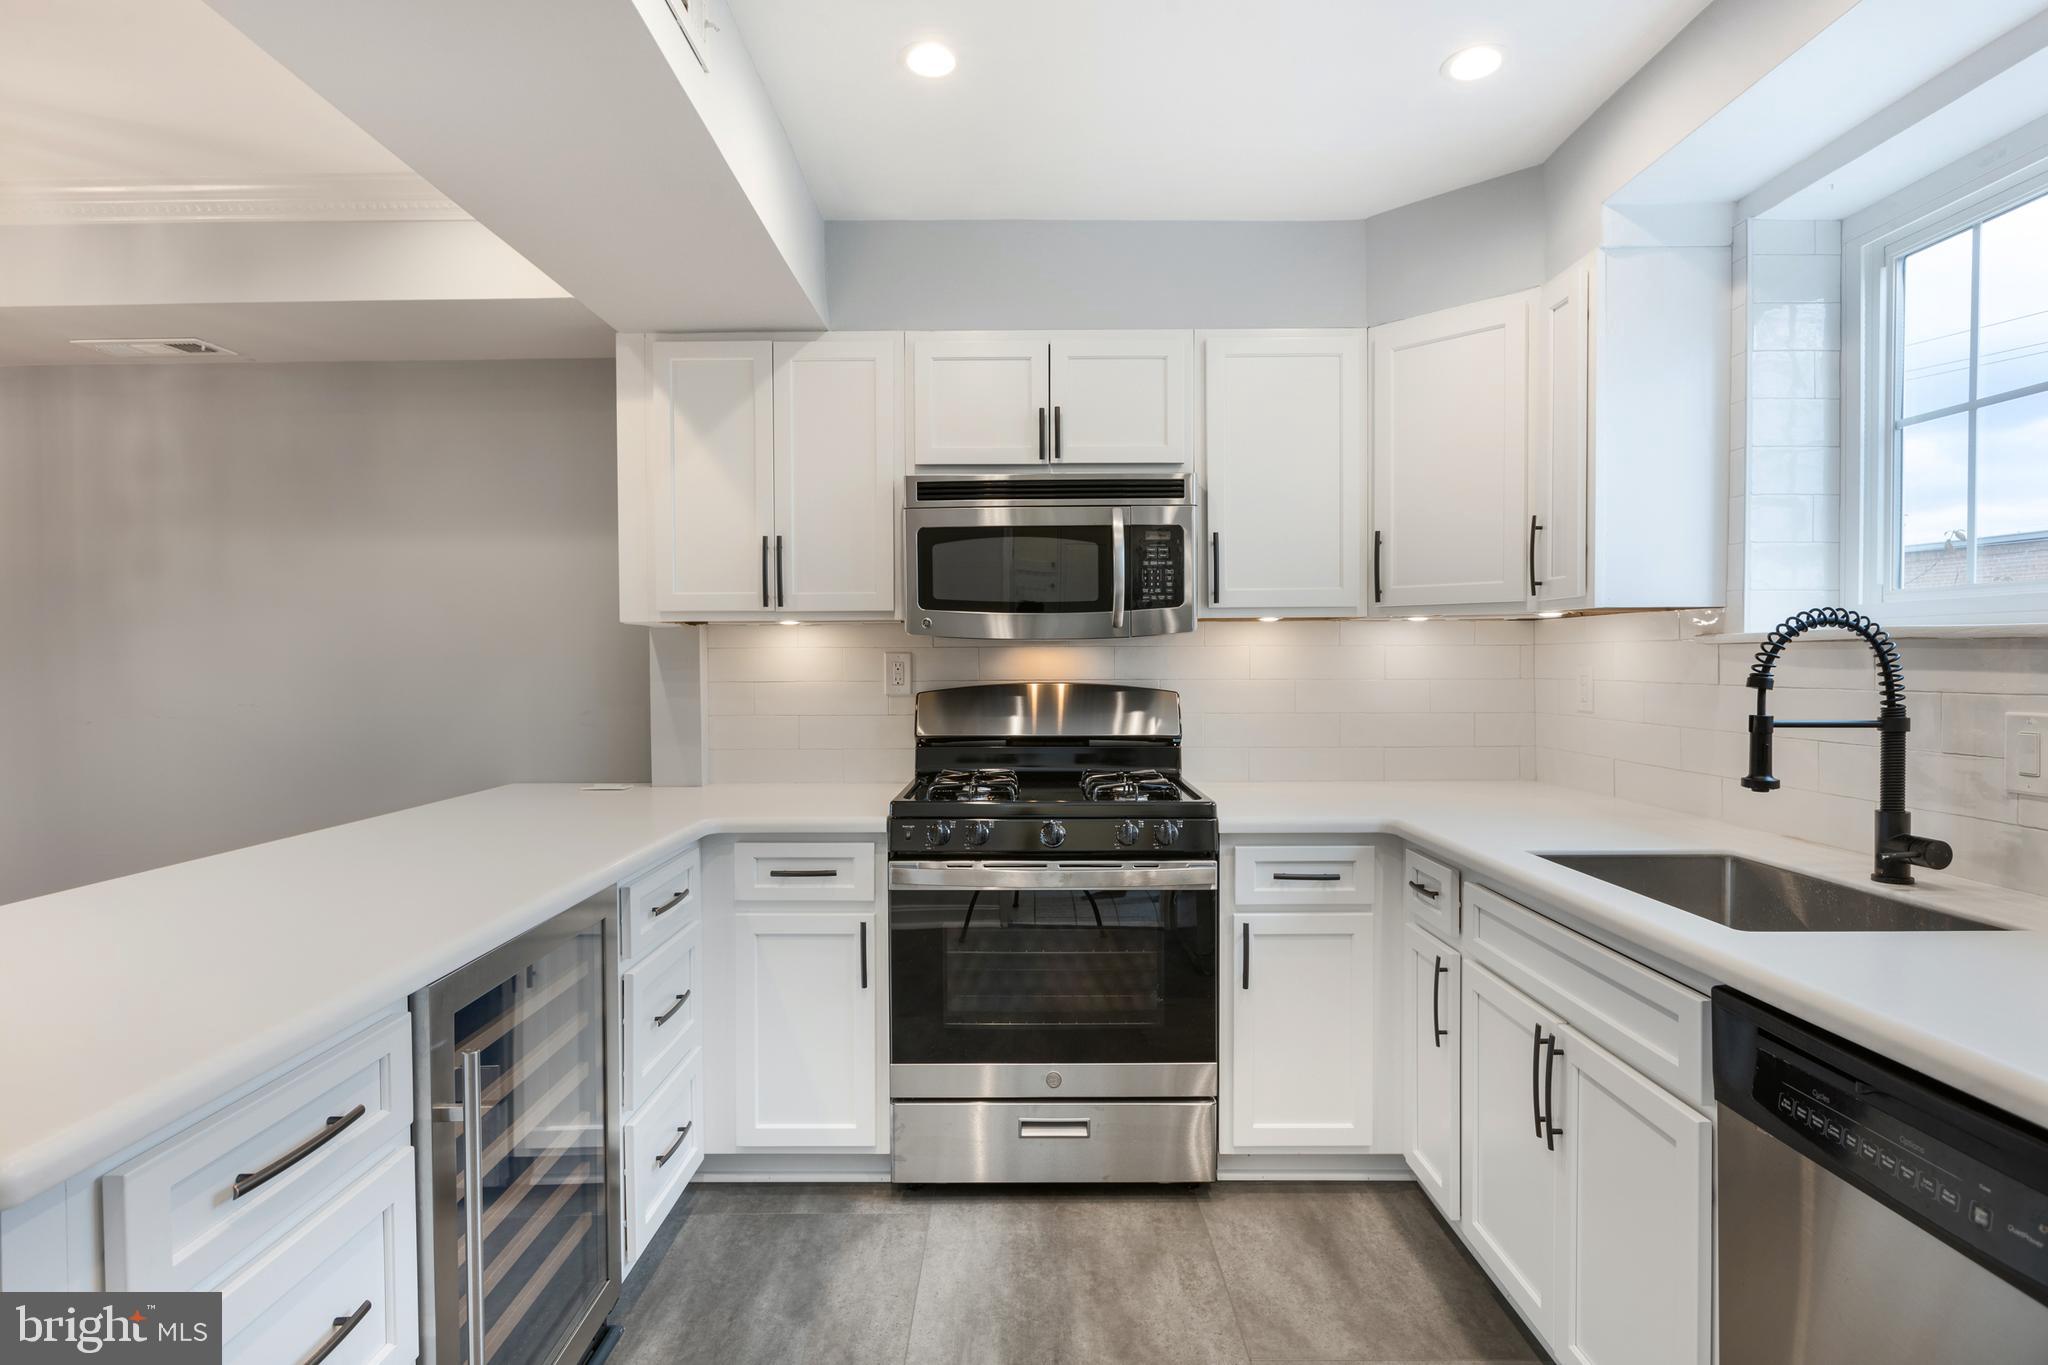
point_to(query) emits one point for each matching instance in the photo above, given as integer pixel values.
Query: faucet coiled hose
(1891, 673)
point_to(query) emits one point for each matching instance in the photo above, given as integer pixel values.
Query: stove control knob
(978, 832)
(938, 834)
(1052, 834)
(1165, 833)
(1127, 833)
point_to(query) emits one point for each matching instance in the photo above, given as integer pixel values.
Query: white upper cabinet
(981, 399)
(1284, 448)
(771, 469)
(1120, 398)
(838, 443)
(713, 475)
(1303, 1001)
(1046, 399)
(1559, 430)
(1450, 456)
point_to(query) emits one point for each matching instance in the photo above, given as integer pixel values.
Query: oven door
(1036, 980)
(1049, 573)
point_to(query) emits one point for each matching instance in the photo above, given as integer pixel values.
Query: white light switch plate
(1585, 692)
(2026, 748)
(895, 675)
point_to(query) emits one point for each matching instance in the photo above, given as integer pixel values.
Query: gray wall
(1478, 242)
(242, 601)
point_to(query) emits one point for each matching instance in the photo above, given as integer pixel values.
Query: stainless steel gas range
(1052, 941)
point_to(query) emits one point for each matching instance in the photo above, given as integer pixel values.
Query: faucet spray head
(1761, 727)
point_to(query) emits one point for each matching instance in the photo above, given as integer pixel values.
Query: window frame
(1871, 262)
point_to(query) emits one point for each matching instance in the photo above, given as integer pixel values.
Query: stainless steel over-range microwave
(1049, 558)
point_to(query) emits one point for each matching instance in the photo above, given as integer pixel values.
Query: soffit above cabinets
(1181, 109)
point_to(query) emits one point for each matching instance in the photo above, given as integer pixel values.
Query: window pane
(1935, 320)
(2012, 491)
(2013, 317)
(1934, 503)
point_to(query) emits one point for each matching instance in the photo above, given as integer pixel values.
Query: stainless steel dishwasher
(1868, 1214)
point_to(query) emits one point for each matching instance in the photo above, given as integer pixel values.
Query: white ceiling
(1182, 109)
(159, 92)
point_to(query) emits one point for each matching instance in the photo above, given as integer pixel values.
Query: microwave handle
(1116, 570)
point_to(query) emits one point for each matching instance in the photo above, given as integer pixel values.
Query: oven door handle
(961, 876)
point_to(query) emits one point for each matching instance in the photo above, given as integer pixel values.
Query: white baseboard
(814, 1167)
(1331, 1166)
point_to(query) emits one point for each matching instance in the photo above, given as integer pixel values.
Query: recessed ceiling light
(930, 59)
(1473, 63)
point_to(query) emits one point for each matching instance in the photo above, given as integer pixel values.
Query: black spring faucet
(1899, 850)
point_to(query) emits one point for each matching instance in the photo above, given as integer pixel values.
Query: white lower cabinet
(1431, 1043)
(1637, 1217)
(660, 1148)
(807, 992)
(1303, 1001)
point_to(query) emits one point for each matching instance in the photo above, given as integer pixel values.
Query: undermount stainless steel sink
(1758, 897)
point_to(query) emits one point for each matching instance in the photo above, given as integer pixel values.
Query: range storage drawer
(345, 1279)
(661, 1148)
(656, 905)
(661, 1013)
(804, 872)
(1130, 1141)
(1430, 891)
(1304, 874)
(1648, 1020)
(180, 1213)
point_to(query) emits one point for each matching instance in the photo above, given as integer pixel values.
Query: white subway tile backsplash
(1406, 731)
(1315, 765)
(856, 732)
(752, 732)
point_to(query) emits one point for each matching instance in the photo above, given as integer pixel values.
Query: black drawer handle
(671, 903)
(342, 1327)
(1436, 1001)
(661, 1019)
(803, 871)
(1419, 889)
(682, 1136)
(263, 1175)
(1308, 876)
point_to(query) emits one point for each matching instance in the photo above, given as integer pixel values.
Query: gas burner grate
(979, 784)
(1142, 784)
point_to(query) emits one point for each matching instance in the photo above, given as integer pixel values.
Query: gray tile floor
(966, 1275)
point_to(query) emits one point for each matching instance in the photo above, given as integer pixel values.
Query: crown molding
(309, 199)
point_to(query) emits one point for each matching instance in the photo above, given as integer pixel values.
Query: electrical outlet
(1585, 694)
(2026, 738)
(895, 675)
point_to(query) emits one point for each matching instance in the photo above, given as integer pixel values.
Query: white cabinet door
(1559, 430)
(838, 446)
(1450, 456)
(1514, 1173)
(1284, 431)
(980, 399)
(1120, 398)
(807, 1027)
(713, 476)
(1429, 1064)
(1301, 1030)
(1638, 1192)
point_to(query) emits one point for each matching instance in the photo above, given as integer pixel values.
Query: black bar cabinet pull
(1041, 435)
(1534, 581)
(1245, 957)
(778, 571)
(682, 1136)
(764, 571)
(342, 1327)
(863, 954)
(1536, 1078)
(670, 1013)
(1059, 450)
(1308, 876)
(1215, 568)
(803, 871)
(1376, 539)
(1436, 1001)
(263, 1175)
(1419, 889)
(1551, 1130)
(671, 903)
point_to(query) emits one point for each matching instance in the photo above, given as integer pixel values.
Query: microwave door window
(1006, 569)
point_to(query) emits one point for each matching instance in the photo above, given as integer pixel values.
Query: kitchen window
(1955, 422)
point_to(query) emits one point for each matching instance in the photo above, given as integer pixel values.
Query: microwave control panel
(1157, 574)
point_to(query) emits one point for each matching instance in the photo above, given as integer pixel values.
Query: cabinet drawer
(172, 1216)
(661, 1012)
(661, 1148)
(656, 905)
(1430, 891)
(1648, 1020)
(346, 1275)
(1304, 874)
(804, 872)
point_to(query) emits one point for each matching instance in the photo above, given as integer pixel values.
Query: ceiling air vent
(139, 347)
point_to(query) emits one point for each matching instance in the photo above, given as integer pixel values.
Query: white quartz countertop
(129, 1004)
